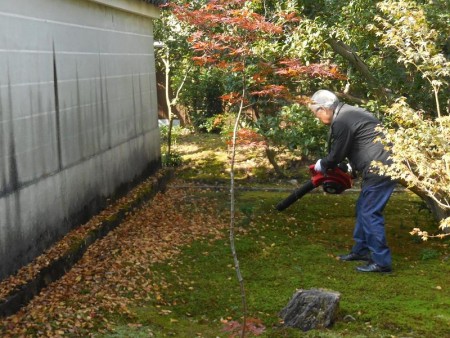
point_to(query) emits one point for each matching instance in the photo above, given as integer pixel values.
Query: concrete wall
(78, 115)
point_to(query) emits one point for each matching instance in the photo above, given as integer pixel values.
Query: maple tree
(254, 50)
(233, 37)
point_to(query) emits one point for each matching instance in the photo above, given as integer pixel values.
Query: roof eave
(147, 8)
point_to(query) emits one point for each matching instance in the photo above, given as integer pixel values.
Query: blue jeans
(369, 233)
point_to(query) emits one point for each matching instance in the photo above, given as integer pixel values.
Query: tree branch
(347, 53)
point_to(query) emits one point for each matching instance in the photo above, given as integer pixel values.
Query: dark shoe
(374, 268)
(354, 257)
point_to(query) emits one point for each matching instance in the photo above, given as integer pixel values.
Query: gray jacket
(352, 136)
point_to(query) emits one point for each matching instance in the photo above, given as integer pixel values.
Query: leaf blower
(334, 181)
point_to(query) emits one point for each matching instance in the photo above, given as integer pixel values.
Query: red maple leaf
(252, 325)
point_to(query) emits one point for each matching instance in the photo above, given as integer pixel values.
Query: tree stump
(311, 309)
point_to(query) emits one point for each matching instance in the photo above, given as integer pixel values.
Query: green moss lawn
(295, 249)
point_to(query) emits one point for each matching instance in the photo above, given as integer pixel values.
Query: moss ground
(295, 249)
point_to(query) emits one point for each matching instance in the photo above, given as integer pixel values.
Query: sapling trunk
(232, 222)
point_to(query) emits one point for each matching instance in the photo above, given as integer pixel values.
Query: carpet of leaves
(116, 271)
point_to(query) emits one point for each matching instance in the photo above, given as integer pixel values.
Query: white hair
(325, 98)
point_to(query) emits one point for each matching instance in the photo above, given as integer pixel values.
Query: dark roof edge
(145, 8)
(156, 2)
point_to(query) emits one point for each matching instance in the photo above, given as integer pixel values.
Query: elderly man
(352, 136)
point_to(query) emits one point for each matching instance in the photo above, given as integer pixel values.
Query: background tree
(202, 87)
(172, 55)
(419, 140)
(300, 57)
(416, 33)
(375, 78)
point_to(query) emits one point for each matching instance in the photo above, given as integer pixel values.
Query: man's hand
(318, 167)
(349, 169)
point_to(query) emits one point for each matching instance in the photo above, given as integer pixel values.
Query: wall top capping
(148, 8)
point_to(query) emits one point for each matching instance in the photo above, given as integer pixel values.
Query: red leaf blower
(335, 181)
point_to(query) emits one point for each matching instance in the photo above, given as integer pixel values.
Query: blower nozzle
(334, 181)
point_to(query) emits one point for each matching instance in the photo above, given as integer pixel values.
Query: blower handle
(296, 194)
